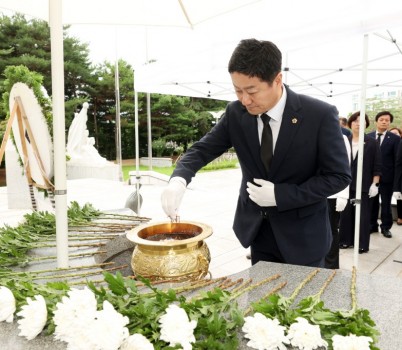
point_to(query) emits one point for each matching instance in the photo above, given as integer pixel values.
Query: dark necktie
(266, 151)
(379, 139)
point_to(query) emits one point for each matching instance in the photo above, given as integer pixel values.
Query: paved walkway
(211, 198)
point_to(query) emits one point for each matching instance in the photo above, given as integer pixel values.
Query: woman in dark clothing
(370, 179)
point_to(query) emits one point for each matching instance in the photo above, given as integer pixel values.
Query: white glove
(341, 204)
(263, 195)
(172, 195)
(373, 191)
(397, 195)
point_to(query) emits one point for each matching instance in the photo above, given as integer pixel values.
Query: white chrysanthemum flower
(72, 317)
(7, 305)
(176, 328)
(33, 317)
(305, 336)
(108, 330)
(137, 342)
(351, 342)
(264, 333)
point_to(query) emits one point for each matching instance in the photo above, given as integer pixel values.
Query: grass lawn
(225, 164)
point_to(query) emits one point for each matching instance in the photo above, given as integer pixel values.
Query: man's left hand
(373, 190)
(264, 194)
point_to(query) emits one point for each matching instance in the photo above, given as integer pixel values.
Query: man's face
(383, 123)
(256, 95)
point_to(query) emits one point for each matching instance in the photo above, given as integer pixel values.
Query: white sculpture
(80, 147)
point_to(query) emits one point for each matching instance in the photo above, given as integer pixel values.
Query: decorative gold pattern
(171, 259)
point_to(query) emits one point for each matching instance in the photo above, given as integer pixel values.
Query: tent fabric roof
(329, 71)
(321, 41)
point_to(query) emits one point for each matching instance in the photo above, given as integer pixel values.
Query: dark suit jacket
(346, 132)
(309, 164)
(371, 164)
(398, 170)
(389, 151)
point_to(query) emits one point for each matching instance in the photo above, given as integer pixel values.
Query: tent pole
(118, 123)
(148, 108)
(59, 138)
(137, 153)
(149, 130)
(361, 151)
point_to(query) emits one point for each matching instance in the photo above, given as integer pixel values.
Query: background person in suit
(371, 173)
(337, 204)
(343, 122)
(398, 175)
(282, 208)
(389, 144)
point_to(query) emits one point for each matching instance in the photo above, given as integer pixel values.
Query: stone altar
(381, 295)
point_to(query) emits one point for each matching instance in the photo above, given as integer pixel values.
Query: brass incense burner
(170, 250)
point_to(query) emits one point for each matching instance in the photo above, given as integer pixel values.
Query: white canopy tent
(330, 71)
(207, 26)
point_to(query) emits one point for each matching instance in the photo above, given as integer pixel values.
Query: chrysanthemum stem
(242, 286)
(353, 290)
(74, 275)
(83, 267)
(272, 291)
(301, 285)
(78, 255)
(254, 286)
(326, 283)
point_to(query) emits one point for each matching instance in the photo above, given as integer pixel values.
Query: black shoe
(387, 233)
(361, 250)
(345, 246)
(374, 230)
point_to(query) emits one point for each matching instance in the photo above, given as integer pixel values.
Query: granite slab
(381, 295)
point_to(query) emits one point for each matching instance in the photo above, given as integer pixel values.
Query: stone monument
(84, 160)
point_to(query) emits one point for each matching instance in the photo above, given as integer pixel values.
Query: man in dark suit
(282, 207)
(389, 144)
(343, 122)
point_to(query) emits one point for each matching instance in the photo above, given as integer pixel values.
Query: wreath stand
(25, 133)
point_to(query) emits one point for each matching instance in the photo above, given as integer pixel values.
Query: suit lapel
(291, 121)
(385, 141)
(250, 129)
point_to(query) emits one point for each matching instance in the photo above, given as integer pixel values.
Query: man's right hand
(397, 195)
(172, 195)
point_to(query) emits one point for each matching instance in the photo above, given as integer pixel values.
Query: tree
(180, 119)
(27, 43)
(392, 105)
(103, 98)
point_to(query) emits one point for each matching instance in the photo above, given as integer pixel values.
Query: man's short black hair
(380, 114)
(256, 58)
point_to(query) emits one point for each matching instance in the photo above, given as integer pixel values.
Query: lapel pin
(294, 120)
